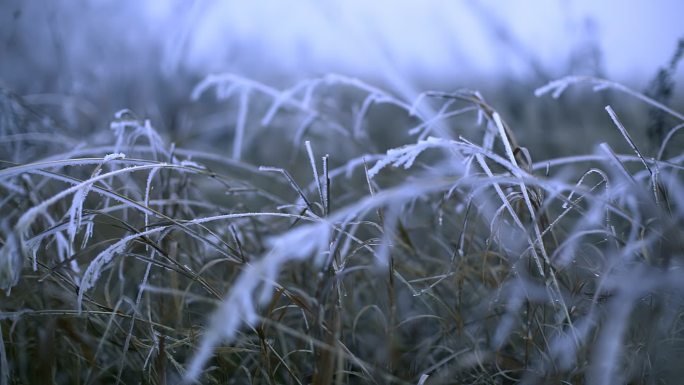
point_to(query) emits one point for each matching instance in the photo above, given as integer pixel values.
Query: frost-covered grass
(335, 233)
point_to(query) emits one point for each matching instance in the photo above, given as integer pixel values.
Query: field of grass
(332, 233)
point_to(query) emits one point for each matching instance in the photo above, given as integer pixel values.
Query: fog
(436, 39)
(65, 46)
(169, 183)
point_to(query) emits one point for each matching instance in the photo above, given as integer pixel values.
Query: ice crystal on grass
(11, 261)
(465, 263)
(240, 307)
(406, 155)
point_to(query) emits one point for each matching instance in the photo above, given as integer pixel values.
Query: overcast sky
(434, 38)
(70, 46)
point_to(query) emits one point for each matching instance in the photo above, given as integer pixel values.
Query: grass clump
(307, 250)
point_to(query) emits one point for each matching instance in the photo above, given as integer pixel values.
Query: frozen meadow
(189, 209)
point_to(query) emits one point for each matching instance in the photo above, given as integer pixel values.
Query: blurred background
(95, 57)
(68, 66)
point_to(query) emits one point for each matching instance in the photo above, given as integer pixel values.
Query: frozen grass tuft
(461, 254)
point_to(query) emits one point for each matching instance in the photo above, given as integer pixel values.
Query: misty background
(91, 58)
